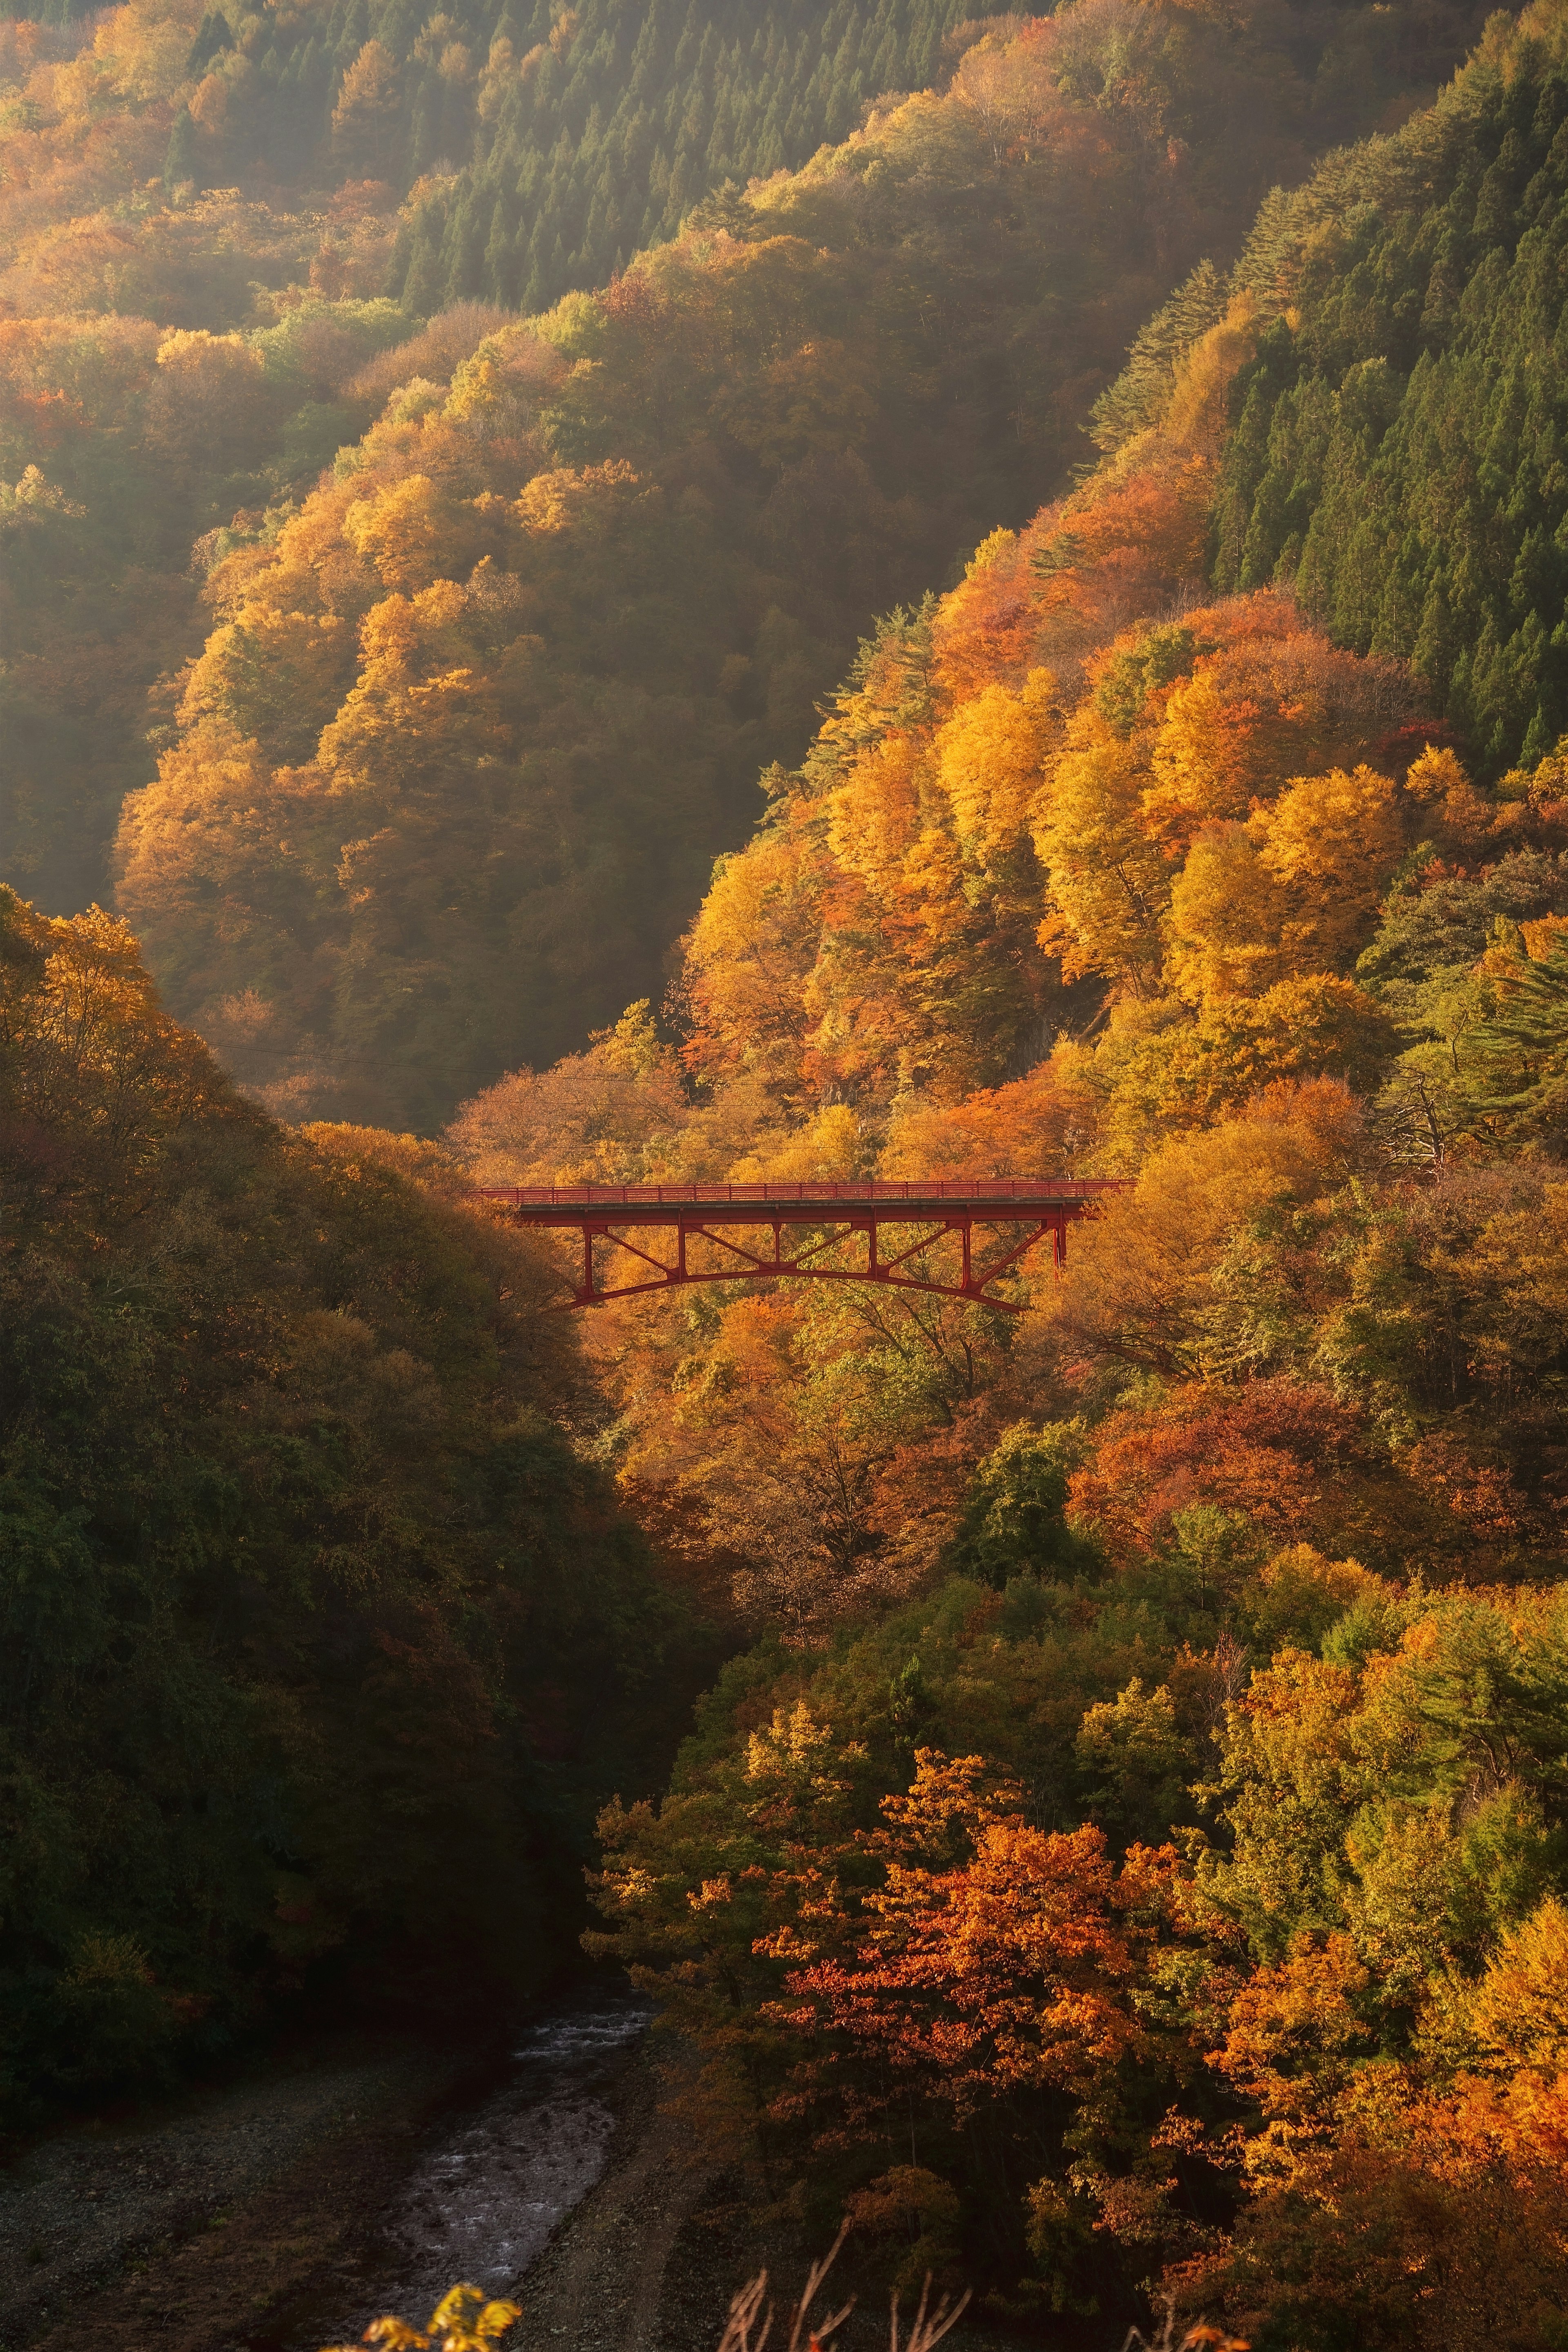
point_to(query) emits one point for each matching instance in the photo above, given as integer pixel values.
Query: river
(494, 2183)
(331, 2182)
(285, 2210)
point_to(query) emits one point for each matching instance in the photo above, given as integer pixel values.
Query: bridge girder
(837, 1214)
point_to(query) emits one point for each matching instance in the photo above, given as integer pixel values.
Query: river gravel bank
(175, 2225)
(342, 2181)
(283, 2213)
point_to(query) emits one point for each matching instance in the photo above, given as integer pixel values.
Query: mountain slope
(312, 1616)
(1153, 1825)
(634, 540)
(1399, 453)
(1085, 860)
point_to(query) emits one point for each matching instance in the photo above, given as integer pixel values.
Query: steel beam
(837, 1214)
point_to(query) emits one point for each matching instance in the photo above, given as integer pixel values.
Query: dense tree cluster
(922, 1907)
(596, 131)
(1141, 1868)
(123, 446)
(538, 146)
(1050, 880)
(1132, 1860)
(974, 855)
(316, 1624)
(479, 712)
(1398, 451)
(210, 224)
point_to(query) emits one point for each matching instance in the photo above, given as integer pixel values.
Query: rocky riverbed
(283, 2213)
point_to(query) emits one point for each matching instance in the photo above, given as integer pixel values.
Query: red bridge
(853, 1219)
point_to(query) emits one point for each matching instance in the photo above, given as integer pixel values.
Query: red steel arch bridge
(952, 1238)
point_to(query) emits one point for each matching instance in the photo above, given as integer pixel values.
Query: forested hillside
(629, 541)
(166, 174)
(1131, 1862)
(1127, 1868)
(1056, 887)
(613, 120)
(596, 127)
(594, 131)
(1398, 453)
(315, 1622)
(228, 242)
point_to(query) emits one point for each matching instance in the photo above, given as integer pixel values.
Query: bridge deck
(917, 1197)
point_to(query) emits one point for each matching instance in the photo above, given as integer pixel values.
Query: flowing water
(495, 2181)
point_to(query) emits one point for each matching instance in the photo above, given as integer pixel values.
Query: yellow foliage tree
(1137, 1287)
(1331, 842)
(1463, 817)
(1109, 886)
(1225, 917)
(277, 677)
(747, 958)
(990, 763)
(413, 533)
(210, 402)
(365, 118)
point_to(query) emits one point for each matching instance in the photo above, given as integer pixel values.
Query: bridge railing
(1029, 1192)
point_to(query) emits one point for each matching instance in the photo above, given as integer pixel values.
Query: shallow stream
(495, 2181)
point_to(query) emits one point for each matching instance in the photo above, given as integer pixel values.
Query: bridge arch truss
(996, 1225)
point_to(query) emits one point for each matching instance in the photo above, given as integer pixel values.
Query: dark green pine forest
(604, 143)
(1399, 457)
(556, 142)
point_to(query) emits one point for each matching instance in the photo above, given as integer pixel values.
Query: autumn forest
(721, 593)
